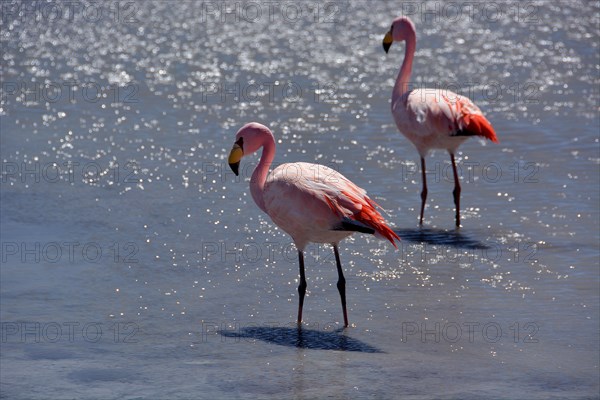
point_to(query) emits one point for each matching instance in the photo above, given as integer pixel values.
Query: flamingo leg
(456, 191)
(424, 191)
(301, 286)
(341, 284)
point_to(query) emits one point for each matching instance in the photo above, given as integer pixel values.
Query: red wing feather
(365, 213)
(469, 119)
(478, 125)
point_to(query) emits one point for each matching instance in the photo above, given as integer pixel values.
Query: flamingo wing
(318, 201)
(427, 112)
(469, 119)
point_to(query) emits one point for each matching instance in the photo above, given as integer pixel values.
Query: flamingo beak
(235, 156)
(387, 41)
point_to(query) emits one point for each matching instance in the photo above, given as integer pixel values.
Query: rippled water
(136, 265)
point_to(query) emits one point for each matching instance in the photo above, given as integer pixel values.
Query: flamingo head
(248, 139)
(402, 28)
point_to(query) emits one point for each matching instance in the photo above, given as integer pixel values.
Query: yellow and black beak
(236, 154)
(387, 41)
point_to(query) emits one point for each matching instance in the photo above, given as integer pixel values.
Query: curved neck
(259, 176)
(403, 80)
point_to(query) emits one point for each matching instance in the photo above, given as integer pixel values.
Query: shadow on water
(453, 238)
(303, 338)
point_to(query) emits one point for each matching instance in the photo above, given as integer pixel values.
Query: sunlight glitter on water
(131, 157)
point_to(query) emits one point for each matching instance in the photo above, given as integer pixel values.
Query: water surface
(136, 265)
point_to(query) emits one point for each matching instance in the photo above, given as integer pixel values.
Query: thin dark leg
(456, 191)
(301, 286)
(424, 191)
(341, 284)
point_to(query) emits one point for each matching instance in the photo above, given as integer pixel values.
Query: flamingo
(311, 202)
(432, 118)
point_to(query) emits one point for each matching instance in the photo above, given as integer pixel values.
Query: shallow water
(136, 265)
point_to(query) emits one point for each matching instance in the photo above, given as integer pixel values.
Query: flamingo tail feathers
(371, 217)
(365, 220)
(477, 125)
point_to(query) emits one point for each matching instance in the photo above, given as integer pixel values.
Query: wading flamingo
(431, 118)
(311, 202)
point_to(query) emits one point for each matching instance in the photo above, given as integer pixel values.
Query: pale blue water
(136, 265)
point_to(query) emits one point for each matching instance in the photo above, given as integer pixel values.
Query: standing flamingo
(311, 202)
(432, 118)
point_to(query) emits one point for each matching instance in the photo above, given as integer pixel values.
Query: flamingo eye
(240, 142)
